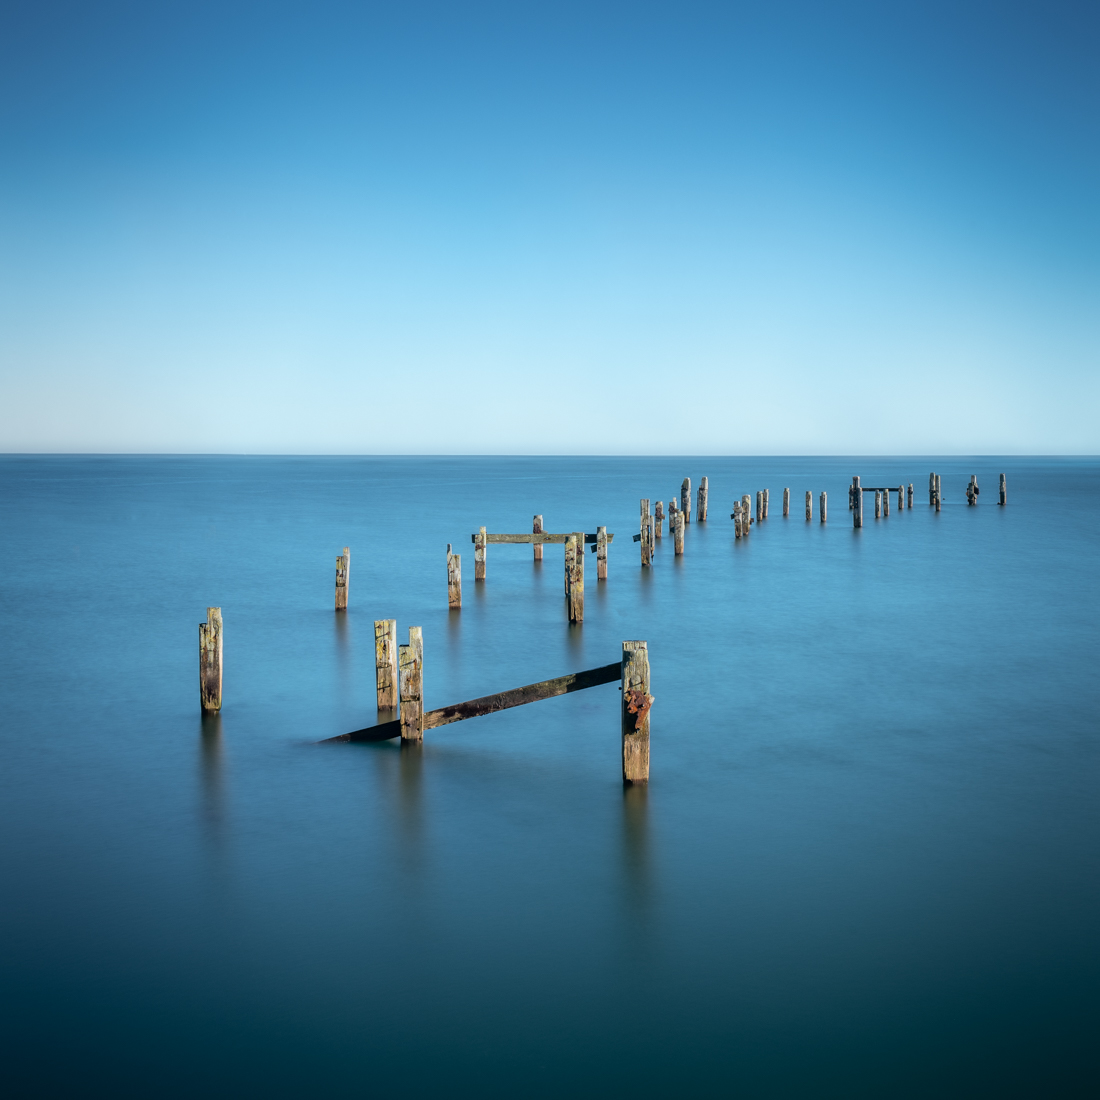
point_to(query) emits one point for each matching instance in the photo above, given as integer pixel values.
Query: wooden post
(701, 507)
(673, 508)
(210, 660)
(536, 528)
(411, 663)
(932, 489)
(809, 506)
(645, 530)
(857, 503)
(759, 505)
(480, 546)
(885, 502)
(454, 578)
(766, 494)
(823, 507)
(343, 568)
(385, 662)
(576, 581)
(851, 496)
(972, 490)
(659, 517)
(636, 705)
(685, 499)
(901, 498)
(939, 493)
(910, 504)
(570, 557)
(878, 504)
(786, 502)
(679, 533)
(746, 515)
(1004, 491)
(601, 553)
(737, 519)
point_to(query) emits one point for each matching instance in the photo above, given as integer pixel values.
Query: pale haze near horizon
(616, 230)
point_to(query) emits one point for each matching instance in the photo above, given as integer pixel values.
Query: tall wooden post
(939, 493)
(932, 490)
(576, 580)
(454, 578)
(701, 507)
(746, 515)
(767, 493)
(679, 534)
(685, 499)
(570, 557)
(786, 502)
(809, 506)
(343, 568)
(210, 660)
(901, 498)
(878, 504)
(972, 490)
(823, 506)
(910, 495)
(659, 517)
(536, 529)
(411, 664)
(857, 503)
(737, 519)
(759, 505)
(885, 502)
(1004, 491)
(601, 553)
(645, 530)
(385, 662)
(636, 706)
(481, 544)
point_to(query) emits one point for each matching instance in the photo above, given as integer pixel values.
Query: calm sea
(867, 863)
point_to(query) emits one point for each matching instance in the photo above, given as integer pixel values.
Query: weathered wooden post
(939, 493)
(857, 503)
(701, 507)
(885, 502)
(901, 498)
(766, 493)
(685, 499)
(878, 504)
(823, 506)
(736, 516)
(536, 529)
(809, 506)
(932, 490)
(210, 660)
(570, 557)
(910, 495)
(385, 662)
(679, 534)
(786, 502)
(1004, 491)
(673, 508)
(601, 553)
(645, 531)
(746, 514)
(343, 568)
(576, 579)
(636, 705)
(480, 546)
(411, 663)
(851, 497)
(972, 490)
(454, 578)
(659, 517)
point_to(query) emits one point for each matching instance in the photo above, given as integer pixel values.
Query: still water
(867, 863)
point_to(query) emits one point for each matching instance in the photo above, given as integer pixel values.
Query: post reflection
(211, 764)
(635, 848)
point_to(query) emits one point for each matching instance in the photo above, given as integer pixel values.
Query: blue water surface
(867, 862)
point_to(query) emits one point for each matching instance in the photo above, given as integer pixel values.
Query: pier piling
(210, 660)
(454, 578)
(411, 664)
(385, 663)
(701, 505)
(343, 569)
(536, 529)
(636, 705)
(480, 548)
(823, 506)
(786, 502)
(857, 503)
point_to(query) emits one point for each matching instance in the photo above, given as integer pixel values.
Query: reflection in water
(342, 644)
(211, 770)
(635, 851)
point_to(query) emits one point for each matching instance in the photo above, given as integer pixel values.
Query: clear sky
(581, 228)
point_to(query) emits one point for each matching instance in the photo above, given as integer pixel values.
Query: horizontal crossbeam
(488, 704)
(539, 538)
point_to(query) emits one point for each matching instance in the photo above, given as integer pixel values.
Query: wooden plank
(210, 660)
(490, 704)
(343, 569)
(636, 705)
(543, 538)
(385, 662)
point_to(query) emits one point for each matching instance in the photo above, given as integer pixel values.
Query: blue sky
(782, 228)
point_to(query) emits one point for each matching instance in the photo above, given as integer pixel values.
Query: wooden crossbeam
(542, 537)
(488, 704)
